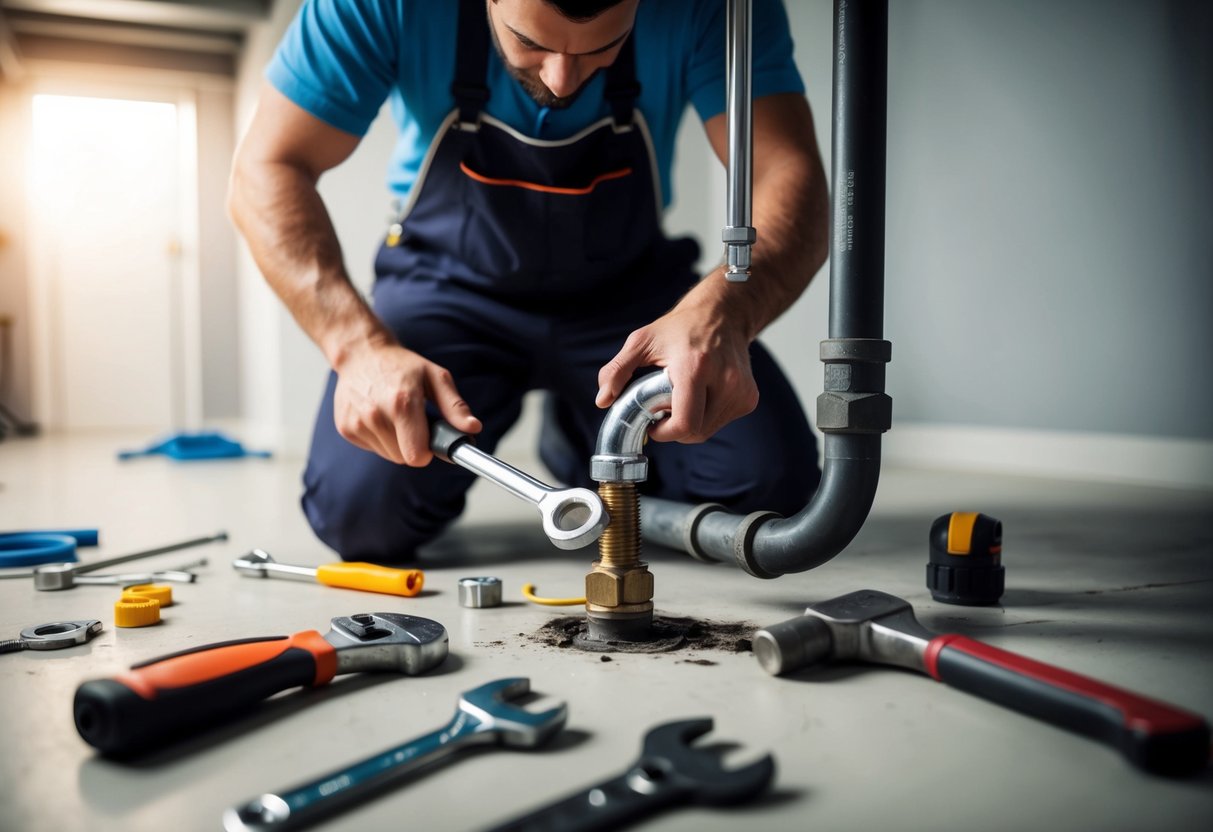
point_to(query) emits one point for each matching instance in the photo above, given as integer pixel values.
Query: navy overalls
(523, 264)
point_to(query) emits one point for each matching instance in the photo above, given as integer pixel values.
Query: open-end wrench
(66, 575)
(871, 626)
(668, 773)
(483, 716)
(56, 580)
(176, 694)
(572, 517)
(53, 636)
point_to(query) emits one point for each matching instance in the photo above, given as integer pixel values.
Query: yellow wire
(528, 592)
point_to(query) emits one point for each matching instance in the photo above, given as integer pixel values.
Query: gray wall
(1050, 215)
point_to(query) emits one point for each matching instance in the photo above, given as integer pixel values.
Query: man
(533, 162)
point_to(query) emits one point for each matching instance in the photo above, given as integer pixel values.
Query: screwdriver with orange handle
(369, 577)
(174, 695)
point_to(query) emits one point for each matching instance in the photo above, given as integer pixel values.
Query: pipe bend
(779, 546)
(627, 423)
(824, 527)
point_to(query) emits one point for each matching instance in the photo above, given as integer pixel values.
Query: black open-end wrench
(668, 773)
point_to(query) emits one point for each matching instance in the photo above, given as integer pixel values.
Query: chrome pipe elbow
(617, 455)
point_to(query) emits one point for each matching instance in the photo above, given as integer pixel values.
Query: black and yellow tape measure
(966, 559)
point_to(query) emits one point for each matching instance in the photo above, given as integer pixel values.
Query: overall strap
(622, 88)
(471, 61)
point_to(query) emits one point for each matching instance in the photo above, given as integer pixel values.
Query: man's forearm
(292, 239)
(790, 213)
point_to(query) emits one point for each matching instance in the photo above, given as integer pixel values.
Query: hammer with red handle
(871, 626)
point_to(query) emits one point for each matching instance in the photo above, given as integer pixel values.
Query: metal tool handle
(639, 792)
(160, 550)
(174, 694)
(1153, 735)
(329, 793)
(458, 447)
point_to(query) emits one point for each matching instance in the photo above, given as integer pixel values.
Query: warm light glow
(104, 190)
(105, 132)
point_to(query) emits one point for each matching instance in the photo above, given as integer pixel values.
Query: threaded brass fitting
(620, 541)
(619, 588)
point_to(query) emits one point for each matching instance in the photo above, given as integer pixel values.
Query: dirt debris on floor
(670, 634)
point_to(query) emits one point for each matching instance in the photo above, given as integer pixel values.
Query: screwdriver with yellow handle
(369, 577)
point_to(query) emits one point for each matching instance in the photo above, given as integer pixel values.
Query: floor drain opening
(669, 634)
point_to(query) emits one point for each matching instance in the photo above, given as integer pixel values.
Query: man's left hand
(708, 361)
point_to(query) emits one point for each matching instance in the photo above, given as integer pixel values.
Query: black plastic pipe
(861, 36)
(853, 410)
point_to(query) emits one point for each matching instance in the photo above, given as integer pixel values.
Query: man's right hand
(380, 401)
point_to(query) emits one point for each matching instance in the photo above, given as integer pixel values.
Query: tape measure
(965, 565)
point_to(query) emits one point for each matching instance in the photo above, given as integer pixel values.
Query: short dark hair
(579, 11)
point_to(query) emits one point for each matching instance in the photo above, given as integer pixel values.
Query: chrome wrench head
(59, 576)
(514, 727)
(387, 641)
(572, 517)
(253, 563)
(60, 634)
(55, 576)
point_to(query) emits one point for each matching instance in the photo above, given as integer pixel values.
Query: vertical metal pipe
(765, 546)
(738, 234)
(861, 37)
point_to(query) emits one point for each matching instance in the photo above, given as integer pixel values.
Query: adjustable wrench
(871, 626)
(668, 773)
(572, 517)
(177, 693)
(482, 717)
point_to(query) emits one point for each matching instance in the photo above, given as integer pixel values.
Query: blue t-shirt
(340, 59)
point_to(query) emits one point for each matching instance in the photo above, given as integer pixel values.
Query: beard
(538, 91)
(535, 88)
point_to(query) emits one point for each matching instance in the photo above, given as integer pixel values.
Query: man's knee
(375, 518)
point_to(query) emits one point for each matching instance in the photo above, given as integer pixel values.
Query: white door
(105, 191)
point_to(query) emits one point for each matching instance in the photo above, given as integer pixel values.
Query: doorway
(105, 192)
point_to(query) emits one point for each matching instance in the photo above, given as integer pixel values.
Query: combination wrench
(57, 576)
(572, 517)
(483, 716)
(668, 773)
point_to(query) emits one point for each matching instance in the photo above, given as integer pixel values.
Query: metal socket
(479, 592)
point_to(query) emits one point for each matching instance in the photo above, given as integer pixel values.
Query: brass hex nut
(612, 589)
(637, 586)
(604, 589)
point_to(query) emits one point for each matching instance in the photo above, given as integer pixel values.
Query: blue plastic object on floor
(30, 548)
(194, 446)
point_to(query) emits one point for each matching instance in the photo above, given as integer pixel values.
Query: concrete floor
(1112, 581)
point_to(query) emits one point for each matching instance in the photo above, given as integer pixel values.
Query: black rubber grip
(181, 694)
(444, 438)
(1153, 735)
